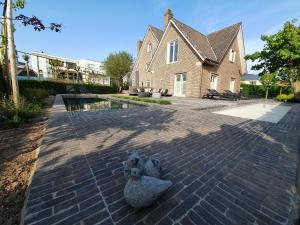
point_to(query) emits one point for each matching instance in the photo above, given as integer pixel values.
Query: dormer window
(232, 54)
(172, 52)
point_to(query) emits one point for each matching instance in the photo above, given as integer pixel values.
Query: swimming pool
(92, 104)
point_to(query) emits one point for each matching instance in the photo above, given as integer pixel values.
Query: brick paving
(225, 170)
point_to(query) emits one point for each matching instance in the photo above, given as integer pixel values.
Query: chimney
(138, 46)
(167, 17)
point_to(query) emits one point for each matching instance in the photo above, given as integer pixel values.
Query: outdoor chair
(164, 92)
(232, 95)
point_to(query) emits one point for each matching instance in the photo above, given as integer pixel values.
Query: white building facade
(83, 70)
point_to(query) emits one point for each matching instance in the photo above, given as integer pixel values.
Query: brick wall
(226, 70)
(164, 74)
(145, 57)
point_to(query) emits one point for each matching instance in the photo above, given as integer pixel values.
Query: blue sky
(94, 28)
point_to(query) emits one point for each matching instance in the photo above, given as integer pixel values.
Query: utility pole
(12, 53)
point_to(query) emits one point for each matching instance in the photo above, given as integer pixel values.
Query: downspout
(201, 80)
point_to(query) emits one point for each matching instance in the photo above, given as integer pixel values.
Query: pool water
(91, 104)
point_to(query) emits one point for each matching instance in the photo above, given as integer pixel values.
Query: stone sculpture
(153, 167)
(141, 191)
(134, 161)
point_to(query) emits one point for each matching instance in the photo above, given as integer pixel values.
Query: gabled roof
(199, 41)
(221, 40)
(156, 32)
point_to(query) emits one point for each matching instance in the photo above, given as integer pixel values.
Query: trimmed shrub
(259, 91)
(59, 87)
(286, 98)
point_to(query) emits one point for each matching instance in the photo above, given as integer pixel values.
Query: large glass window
(173, 51)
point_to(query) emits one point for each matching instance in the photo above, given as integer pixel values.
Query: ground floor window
(214, 81)
(148, 83)
(232, 84)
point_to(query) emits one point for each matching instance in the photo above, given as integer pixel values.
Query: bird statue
(133, 161)
(141, 191)
(153, 167)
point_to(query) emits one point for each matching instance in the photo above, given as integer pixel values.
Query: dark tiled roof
(157, 32)
(199, 41)
(222, 39)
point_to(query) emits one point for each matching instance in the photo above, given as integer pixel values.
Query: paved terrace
(225, 170)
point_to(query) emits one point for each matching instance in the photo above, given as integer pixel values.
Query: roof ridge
(189, 27)
(239, 23)
(155, 27)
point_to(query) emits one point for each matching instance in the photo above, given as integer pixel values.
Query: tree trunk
(27, 68)
(4, 61)
(296, 86)
(12, 53)
(267, 93)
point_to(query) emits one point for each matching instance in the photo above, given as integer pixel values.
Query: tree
(26, 59)
(117, 65)
(56, 65)
(268, 80)
(281, 53)
(8, 33)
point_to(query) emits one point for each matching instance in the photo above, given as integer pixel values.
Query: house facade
(83, 70)
(187, 62)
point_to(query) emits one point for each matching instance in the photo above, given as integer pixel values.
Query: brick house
(187, 62)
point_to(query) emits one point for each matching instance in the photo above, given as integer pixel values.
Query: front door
(214, 82)
(179, 85)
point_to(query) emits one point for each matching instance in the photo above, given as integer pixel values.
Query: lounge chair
(232, 95)
(214, 94)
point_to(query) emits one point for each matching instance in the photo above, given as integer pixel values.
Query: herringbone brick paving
(225, 170)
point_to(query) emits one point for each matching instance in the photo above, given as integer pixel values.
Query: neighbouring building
(83, 70)
(252, 79)
(187, 62)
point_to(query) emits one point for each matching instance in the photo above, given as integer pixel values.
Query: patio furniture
(156, 95)
(232, 95)
(164, 92)
(132, 90)
(143, 94)
(213, 94)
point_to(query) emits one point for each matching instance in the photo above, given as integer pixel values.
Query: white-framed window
(232, 84)
(214, 81)
(172, 51)
(232, 54)
(149, 47)
(148, 83)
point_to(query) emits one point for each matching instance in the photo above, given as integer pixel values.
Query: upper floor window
(232, 54)
(149, 47)
(147, 66)
(172, 51)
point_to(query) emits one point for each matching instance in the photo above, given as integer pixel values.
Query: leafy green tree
(117, 65)
(281, 53)
(268, 80)
(56, 65)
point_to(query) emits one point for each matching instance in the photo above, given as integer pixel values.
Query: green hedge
(59, 87)
(259, 91)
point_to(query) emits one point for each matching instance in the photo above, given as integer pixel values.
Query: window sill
(172, 62)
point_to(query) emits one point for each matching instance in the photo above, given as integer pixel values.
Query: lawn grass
(149, 100)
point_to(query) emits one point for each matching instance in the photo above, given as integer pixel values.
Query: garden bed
(18, 152)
